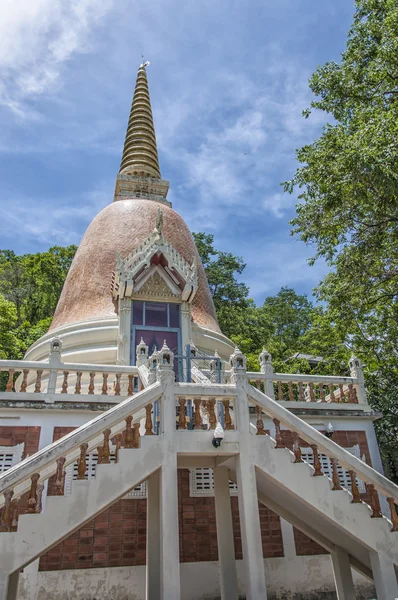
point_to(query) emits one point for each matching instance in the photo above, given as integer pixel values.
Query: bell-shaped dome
(119, 229)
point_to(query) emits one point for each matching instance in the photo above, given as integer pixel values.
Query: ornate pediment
(156, 288)
(155, 256)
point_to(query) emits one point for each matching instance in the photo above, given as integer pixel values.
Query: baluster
(118, 439)
(24, 383)
(105, 384)
(351, 397)
(60, 477)
(394, 516)
(136, 435)
(355, 395)
(291, 393)
(106, 450)
(39, 374)
(301, 392)
(64, 389)
(100, 454)
(130, 389)
(212, 415)
(228, 425)
(91, 384)
(198, 417)
(259, 422)
(117, 386)
(10, 382)
(278, 436)
(374, 501)
(148, 419)
(321, 392)
(296, 448)
(39, 504)
(6, 513)
(342, 394)
(317, 463)
(356, 499)
(331, 393)
(312, 394)
(128, 439)
(335, 475)
(280, 391)
(182, 420)
(32, 500)
(81, 465)
(78, 386)
(14, 513)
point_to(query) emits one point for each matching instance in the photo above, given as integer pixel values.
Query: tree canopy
(348, 200)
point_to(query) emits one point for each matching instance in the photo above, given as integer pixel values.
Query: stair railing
(57, 381)
(321, 444)
(115, 425)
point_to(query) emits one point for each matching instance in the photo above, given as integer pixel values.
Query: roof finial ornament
(144, 64)
(159, 221)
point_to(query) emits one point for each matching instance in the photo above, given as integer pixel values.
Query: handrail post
(265, 360)
(55, 363)
(357, 373)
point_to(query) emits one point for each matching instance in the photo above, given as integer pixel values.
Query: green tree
(33, 282)
(348, 197)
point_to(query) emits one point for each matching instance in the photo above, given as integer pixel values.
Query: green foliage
(33, 282)
(29, 286)
(348, 209)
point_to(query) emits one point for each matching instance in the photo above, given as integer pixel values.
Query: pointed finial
(140, 154)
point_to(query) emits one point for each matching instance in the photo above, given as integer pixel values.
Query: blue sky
(228, 81)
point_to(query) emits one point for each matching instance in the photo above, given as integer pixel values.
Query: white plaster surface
(199, 581)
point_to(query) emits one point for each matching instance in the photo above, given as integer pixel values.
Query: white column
(124, 333)
(255, 587)
(9, 586)
(153, 537)
(169, 543)
(384, 577)
(225, 535)
(169, 537)
(289, 545)
(342, 575)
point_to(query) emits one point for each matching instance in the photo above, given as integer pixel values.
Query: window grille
(10, 456)
(91, 464)
(201, 483)
(326, 465)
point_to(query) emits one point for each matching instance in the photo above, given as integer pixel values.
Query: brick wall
(29, 436)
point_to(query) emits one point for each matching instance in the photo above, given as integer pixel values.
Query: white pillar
(169, 537)
(9, 586)
(289, 544)
(153, 537)
(225, 535)
(342, 575)
(384, 577)
(255, 587)
(169, 543)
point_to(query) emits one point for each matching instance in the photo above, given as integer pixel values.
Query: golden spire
(140, 154)
(139, 173)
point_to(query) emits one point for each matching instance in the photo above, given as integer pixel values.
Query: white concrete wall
(302, 575)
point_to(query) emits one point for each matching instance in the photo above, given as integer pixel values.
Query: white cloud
(278, 204)
(37, 38)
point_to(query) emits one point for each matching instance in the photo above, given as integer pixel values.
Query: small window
(91, 464)
(201, 483)
(10, 456)
(156, 314)
(174, 315)
(138, 313)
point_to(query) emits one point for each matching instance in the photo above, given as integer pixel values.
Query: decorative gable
(155, 269)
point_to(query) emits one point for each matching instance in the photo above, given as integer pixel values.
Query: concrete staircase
(264, 469)
(37, 533)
